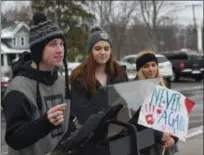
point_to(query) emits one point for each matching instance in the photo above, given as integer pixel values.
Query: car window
(194, 57)
(130, 60)
(124, 60)
(162, 59)
(197, 57)
(177, 57)
(190, 57)
(133, 60)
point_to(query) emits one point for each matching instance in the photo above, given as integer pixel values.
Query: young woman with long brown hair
(98, 70)
(147, 68)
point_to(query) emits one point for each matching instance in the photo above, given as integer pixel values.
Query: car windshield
(176, 56)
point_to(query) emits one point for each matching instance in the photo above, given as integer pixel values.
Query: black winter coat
(84, 103)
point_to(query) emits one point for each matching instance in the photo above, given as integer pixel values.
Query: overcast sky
(185, 16)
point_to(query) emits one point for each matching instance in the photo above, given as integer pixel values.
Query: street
(193, 146)
(193, 90)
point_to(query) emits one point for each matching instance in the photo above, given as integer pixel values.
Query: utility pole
(196, 28)
(194, 18)
(200, 37)
(193, 6)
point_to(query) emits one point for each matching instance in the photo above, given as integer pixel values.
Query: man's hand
(169, 143)
(55, 114)
(167, 140)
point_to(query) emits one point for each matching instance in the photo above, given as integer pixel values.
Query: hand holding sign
(166, 110)
(167, 140)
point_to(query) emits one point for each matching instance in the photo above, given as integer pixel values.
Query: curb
(195, 131)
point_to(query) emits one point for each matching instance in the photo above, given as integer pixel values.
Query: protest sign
(167, 111)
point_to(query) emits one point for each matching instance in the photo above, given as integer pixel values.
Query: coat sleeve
(134, 120)
(157, 134)
(20, 130)
(82, 106)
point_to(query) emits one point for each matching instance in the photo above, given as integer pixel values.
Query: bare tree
(120, 25)
(115, 17)
(156, 13)
(103, 10)
(23, 13)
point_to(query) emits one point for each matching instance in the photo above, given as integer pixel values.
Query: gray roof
(9, 29)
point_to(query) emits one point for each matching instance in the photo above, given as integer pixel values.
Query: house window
(11, 57)
(14, 41)
(2, 60)
(22, 41)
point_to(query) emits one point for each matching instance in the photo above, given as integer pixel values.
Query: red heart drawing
(159, 111)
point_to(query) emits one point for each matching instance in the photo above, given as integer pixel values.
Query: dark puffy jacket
(84, 103)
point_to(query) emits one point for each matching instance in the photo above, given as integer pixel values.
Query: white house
(14, 41)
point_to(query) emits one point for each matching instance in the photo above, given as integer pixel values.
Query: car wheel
(198, 78)
(167, 82)
(175, 77)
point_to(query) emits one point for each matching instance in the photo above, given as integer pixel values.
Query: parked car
(71, 66)
(202, 65)
(186, 64)
(164, 65)
(4, 84)
(130, 70)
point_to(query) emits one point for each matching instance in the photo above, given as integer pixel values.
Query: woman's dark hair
(85, 72)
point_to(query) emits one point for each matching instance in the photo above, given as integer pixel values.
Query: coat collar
(110, 80)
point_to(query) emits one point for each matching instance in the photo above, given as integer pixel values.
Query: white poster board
(167, 111)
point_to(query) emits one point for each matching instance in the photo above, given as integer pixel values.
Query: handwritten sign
(166, 110)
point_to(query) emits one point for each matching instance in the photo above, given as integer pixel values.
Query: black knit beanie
(41, 33)
(141, 61)
(97, 34)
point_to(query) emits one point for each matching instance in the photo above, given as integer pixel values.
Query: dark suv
(186, 64)
(202, 64)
